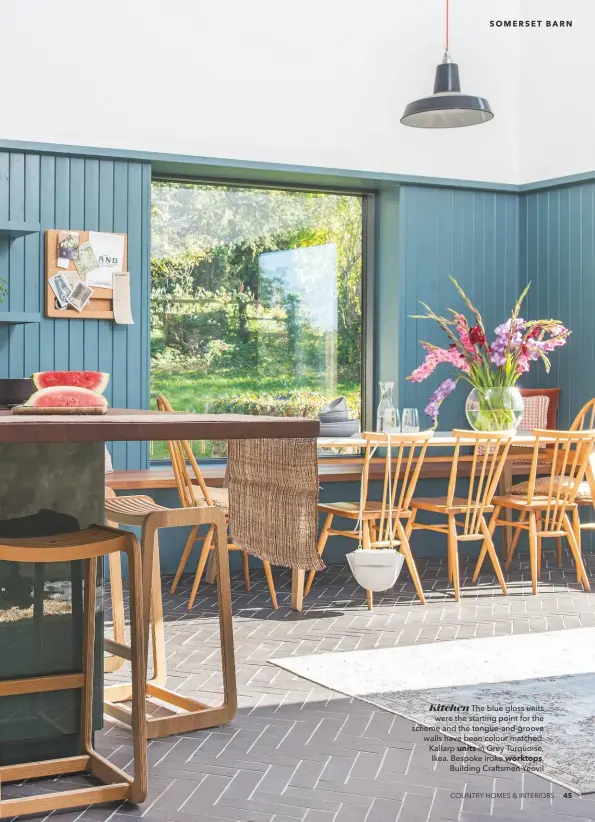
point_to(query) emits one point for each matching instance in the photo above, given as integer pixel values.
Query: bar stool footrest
(184, 715)
(116, 785)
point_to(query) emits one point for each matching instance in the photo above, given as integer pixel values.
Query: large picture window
(255, 301)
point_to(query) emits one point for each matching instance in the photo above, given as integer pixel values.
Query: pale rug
(550, 675)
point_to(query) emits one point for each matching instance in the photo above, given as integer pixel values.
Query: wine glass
(410, 421)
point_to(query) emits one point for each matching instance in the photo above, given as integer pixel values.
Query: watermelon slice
(93, 380)
(64, 396)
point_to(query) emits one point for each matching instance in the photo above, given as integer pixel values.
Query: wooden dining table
(437, 464)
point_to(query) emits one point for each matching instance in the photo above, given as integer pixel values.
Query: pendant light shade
(447, 107)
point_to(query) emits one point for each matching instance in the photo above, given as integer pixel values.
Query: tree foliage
(211, 308)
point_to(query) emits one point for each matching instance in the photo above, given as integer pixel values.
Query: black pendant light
(447, 107)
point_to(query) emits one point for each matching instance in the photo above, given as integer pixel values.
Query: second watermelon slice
(93, 380)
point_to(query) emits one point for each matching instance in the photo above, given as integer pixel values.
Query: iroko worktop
(129, 425)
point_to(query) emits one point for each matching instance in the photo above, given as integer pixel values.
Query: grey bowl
(347, 428)
(333, 416)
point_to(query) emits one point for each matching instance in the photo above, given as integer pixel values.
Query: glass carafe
(387, 416)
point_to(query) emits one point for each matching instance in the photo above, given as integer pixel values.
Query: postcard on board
(109, 250)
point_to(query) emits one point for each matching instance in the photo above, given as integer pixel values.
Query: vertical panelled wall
(425, 234)
(86, 194)
(559, 260)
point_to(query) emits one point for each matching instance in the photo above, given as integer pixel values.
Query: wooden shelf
(16, 317)
(11, 228)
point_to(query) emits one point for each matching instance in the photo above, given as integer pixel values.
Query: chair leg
(270, 582)
(453, 551)
(157, 632)
(515, 541)
(322, 539)
(138, 716)
(576, 527)
(410, 523)
(373, 533)
(575, 549)
(89, 654)
(406, 550)
(366, 545)
(484, 547)
(192, 537)
(491, 550)
(114, 663)
(246, 568)
(533, 548)
(202, 561)
(539, 555)
(503, 488)
(559, 551)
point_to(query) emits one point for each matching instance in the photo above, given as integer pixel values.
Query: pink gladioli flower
(434, 357)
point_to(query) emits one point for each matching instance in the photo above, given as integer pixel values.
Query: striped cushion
(542, 488)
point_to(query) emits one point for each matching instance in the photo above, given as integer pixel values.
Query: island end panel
(46, 489)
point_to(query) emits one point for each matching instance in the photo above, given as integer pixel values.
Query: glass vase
(387, 416)
(494, 409)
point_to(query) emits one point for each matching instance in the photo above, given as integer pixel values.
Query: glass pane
(255, 301)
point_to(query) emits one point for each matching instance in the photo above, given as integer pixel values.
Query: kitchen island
(52, 478)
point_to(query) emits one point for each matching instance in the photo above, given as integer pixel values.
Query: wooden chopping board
(28, 409)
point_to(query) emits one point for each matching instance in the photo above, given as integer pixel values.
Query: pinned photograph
(80, 296)
(61, 288)
(86, 260)
(68, 245)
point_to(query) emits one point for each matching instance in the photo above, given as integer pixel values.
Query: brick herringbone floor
(299, 753)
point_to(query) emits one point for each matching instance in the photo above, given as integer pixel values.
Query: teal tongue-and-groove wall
(473, 236)
(558, 258)
(492, 241)
(61, 191)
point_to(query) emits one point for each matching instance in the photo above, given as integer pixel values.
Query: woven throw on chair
(534, 413)
(534, 416)
(273, 498)
(542, 488)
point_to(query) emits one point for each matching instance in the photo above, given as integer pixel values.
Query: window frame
(369, 199)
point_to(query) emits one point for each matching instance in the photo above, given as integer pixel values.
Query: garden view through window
(255, 301)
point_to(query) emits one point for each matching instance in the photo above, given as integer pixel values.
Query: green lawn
(228, 390)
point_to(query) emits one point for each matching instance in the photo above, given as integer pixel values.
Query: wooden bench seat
(330, 469)
(346, 470)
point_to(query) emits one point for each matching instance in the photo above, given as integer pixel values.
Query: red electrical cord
(446, 45)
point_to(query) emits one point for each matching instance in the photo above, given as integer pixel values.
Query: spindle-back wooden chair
(381, 521)
(198, 493)
(584, 421)
(466, 515)
(545, 510)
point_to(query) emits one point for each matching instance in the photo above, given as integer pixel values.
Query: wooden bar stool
(184, 714)
(87, 545)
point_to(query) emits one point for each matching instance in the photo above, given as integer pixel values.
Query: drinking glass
(410, 421)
